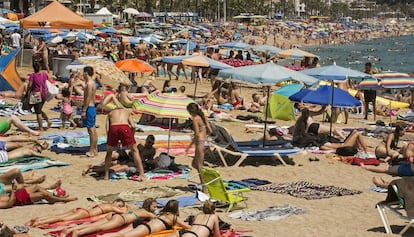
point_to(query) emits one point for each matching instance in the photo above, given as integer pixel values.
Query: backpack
(165, 161)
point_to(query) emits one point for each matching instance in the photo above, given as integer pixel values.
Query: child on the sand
(67, 111)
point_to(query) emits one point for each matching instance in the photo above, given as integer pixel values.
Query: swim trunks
(90, 118)
(3, 156)
(313, 128)
(120, 132)
(405, 170)
(4, 126)
(3, 146)
(22, 197)
(370, 95)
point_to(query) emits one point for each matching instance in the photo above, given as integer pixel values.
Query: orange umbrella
(134, 65)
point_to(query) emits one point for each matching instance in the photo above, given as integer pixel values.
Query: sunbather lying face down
(135, 216)
(79, 213)
(206, 224)
(165, 221)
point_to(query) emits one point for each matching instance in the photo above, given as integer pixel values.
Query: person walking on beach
(89, 110)
(369, 95)
(120, 126)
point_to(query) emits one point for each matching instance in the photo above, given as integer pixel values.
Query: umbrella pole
(195, 87)
(332, 109)
(169, 135)
(266, 113)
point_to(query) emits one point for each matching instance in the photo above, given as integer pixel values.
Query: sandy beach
(353, 215)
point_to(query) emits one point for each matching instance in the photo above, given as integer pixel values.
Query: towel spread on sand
(57, 233)
(307, 190)
(245, 183)
(75, 150)
(168, 174)
(73, 222)
(56, 123)
(29, 163)
(268, 214)
(140, 194)
(73, 134)
(378, 189)
(183, 201)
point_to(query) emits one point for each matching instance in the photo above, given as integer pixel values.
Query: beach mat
(56, 233)
(274, 213)
(30, 163)
(184, 201)
(307, 190)
(75, 150)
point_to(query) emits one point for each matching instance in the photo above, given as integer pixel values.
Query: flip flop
(88, 155)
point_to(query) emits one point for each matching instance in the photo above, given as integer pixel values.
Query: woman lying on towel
(20, 196)
(79, 213)
(167, 219)
(114, 220)
(387, 149)
(204, 225)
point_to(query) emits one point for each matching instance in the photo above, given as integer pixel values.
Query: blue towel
(79, 150)
(183, 201)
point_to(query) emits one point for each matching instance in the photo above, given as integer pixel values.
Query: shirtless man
(120, 126)
(89, 110)
(141, 51)
(153, 55)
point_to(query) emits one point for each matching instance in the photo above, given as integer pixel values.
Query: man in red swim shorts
(120, 126)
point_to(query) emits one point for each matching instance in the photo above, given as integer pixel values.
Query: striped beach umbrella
(395, 80)
(164, 105)
(110, 74)
(369, 84)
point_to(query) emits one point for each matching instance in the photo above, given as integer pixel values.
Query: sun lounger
(395, 208)
(224, 144)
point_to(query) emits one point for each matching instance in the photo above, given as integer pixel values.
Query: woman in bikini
(204, 225)
(167, 219)
(114, 220)
(387, 149)
(201, 128)
(79, 213)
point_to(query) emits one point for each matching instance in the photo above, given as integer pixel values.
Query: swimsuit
(183, 232)
(2, 188)
(83, 209)
(100, 208)
(405, 170)
(90, 117)
(167, 226)
(3, 156)
(120, 132)
(22, 197)
(206, 226)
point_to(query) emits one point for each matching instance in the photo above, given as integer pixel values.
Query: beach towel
(307, 190)
(183, 201)
(182, 173)
(56, 123)
(29, 163)
(245, 183)
(274, 213)
(146, 128)
(378, 189)
(72, 134)
(73, 222)
(140, 194)
(75, 150)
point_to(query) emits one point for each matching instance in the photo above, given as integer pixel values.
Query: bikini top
(135, 214)
(206, 226)
(167, 226)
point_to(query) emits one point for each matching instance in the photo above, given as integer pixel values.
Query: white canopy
(131, 11)
(103, 11)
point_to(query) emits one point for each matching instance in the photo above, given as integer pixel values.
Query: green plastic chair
(217, 189)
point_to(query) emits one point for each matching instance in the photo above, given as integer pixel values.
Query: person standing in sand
(142, 51)
(89, 110)
(369, 95)
(120, 126)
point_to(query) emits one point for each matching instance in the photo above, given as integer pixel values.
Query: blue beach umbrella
(236, 45)
(289, 89)
(335, 72)
(266, 48)
(298, 96)
(322, 96)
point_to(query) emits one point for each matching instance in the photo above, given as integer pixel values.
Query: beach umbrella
(295, 54)
(334, 73)
(323, 95)
(395, 80)
(164, 105)
(267, 74)
(131, 11)
(298, 96)
(203, 61)
(110, 74)
(289, 89)
(371, 83)
(134, 65)
(236, 45)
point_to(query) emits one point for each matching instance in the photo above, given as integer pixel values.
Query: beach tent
(280, 107)
(56, 16)
(9, 78)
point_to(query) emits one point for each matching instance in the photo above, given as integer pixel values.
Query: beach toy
(59, 192)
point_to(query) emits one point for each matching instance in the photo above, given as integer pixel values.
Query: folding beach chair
(225, 144)
(217, 189)
(396, 208)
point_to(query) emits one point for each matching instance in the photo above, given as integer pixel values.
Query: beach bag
(165, 161)
(346, 151)
(26, 101)
(35, 98)
(51, 91)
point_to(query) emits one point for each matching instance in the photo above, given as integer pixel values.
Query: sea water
(394, 53)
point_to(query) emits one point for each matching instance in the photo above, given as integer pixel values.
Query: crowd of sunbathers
(130, 220)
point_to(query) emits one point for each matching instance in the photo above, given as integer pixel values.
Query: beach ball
(59, 192)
